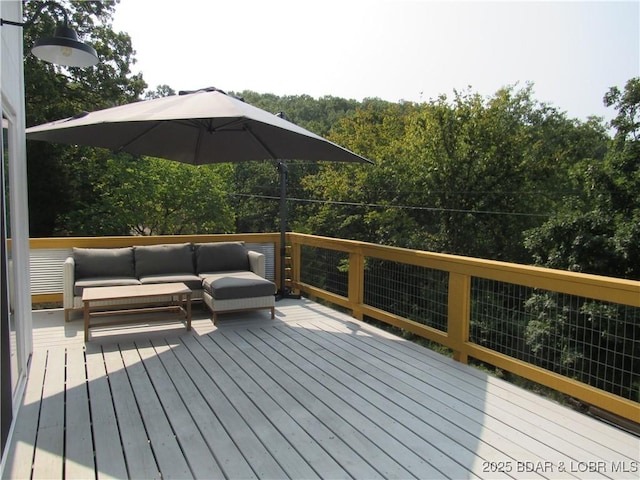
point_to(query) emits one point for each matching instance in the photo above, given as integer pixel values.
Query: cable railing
(575, 333)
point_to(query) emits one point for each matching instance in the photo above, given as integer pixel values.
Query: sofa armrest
(257, 263)
(68, 280)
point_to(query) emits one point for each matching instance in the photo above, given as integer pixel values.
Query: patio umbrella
(205, 126)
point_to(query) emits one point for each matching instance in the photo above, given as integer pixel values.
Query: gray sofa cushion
(90, 282)
(221, 257)
(232, 287)
(190, 280)
(163, 259)
(103, 262)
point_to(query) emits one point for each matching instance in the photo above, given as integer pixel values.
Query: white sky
(395, 49)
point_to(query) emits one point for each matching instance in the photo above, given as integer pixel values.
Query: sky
(571, 51)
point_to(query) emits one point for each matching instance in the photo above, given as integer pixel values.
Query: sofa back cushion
(221, 257)
(163, 259)
(103, 262)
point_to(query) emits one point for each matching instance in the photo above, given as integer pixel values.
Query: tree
(160, 91)
(257, 183)
(54, 92)
(597, 230)
(345, 192)
(465, 175)
(150, 196)
(627, 103)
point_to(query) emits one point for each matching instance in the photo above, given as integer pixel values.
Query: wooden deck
(311, 394)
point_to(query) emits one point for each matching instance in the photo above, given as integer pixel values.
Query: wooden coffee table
(135, 299)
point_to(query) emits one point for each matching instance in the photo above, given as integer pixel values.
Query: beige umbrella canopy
(205, 126)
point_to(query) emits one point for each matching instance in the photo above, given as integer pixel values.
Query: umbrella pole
(283, 291)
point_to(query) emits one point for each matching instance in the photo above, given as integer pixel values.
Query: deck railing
(575, 333)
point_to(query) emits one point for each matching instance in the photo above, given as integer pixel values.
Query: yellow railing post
(459, 307)
(356, 284)
(296, 256)
(279, 274)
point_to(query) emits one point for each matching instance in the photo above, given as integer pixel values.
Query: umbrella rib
(140, 135)
(208, 124)
(235, 121)
(196, 153)
(260, 142)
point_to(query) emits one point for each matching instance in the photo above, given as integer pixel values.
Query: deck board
(323, 442)
(420, 427)
(524, 431)
(282, 408)
(138, 455)
(162, 438)
(449, 406)
(389, 455)
(588, 433)
(310, 394)
(318, 409)
(78, 456)
(190, 381)
(19, 461)
(192, 444)
(265, 396)
(243, 434)
(109, 458)
(280, 447)
(48, 457)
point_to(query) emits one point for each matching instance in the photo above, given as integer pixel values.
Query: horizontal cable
(377, 205)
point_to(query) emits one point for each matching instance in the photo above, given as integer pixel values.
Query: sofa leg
(273, 313)
(67, 312)
(215, 318)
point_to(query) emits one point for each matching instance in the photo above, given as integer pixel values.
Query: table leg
(86, 321)
(188, 311)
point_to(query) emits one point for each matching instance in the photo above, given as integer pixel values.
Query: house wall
(16, 213)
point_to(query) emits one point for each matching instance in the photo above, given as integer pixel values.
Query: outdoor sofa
(225, 275)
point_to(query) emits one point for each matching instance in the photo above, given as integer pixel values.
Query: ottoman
(238, 291)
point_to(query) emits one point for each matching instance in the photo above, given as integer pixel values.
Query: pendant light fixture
(63, 48)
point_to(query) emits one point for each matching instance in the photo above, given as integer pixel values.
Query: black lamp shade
(64, 48)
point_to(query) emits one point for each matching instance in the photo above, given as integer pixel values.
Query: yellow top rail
(615, 290)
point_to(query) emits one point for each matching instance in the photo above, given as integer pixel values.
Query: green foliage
(577, 241)
(547, 330)
(466, 175)
(318, 115)
(372, 131)
(596, 231)
(54, 92)
(151, 196)
(256, 186)
(627, 103)
(257, 183)
(160, 91)
(498, 320)
(587, 340)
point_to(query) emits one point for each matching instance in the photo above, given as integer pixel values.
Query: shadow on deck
(311, 394)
